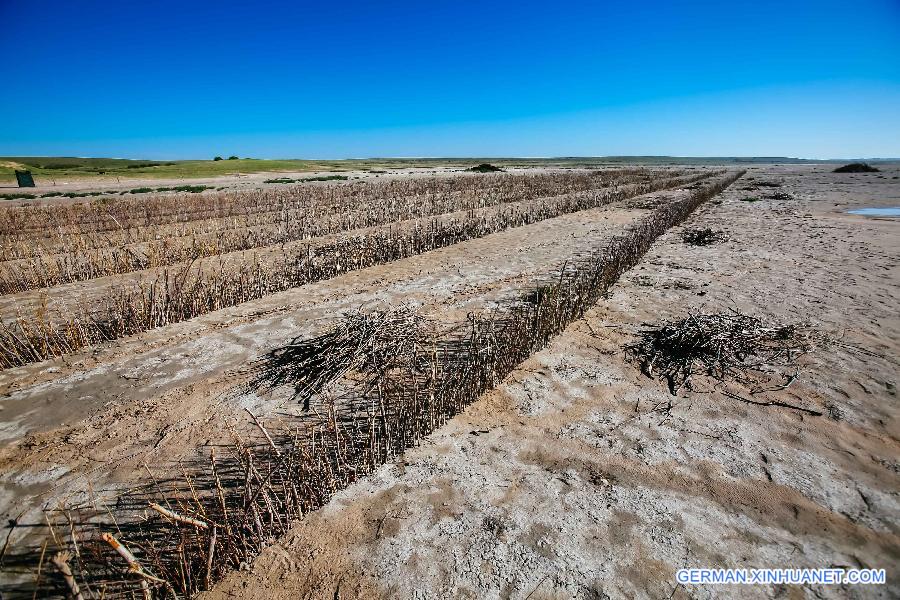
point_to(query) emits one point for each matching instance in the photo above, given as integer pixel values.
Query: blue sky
(174, 80)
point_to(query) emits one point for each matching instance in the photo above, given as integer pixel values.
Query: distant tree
(232, 157)
(218, 158)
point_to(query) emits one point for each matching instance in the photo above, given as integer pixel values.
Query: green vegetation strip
(194, 189)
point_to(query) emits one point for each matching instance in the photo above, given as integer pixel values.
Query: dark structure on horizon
(24, 179)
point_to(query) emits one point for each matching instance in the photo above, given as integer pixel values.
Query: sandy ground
(569, 480)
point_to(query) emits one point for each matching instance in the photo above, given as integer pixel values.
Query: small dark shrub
(194, 189)
(856, 168)
(780, 196)
(327, 178)
(485, 168)
(702, 237)
(320, 178)
(81, 194)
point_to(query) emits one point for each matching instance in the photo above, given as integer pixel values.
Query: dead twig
(134, 566)
(61, 562)
(174, 516)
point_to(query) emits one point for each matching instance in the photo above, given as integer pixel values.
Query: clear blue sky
(160, 79)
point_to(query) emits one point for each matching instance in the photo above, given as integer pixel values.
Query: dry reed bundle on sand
(398, 379)
(702, 237)
(725, 347)
(361, 341)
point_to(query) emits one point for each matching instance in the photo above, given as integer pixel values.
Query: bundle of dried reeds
(723, 346)
(362, 341)
(702, 236)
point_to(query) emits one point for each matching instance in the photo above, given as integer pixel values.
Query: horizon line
(477, 157)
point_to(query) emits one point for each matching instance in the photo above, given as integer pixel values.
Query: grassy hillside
(48, 168)
(44, 168)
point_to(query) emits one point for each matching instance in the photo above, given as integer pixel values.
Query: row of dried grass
(177, 295)
(142, 219)
(86, 257)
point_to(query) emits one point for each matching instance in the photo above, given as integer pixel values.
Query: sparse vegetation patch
(856, 168)
(702, 237)
(485, 168)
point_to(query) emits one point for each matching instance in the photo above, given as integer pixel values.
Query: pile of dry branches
(702, 237)
(374, 342)
(725, 347)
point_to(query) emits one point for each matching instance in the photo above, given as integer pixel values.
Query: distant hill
(730, 159)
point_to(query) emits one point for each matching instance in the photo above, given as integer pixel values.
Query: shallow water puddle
(884, 211)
